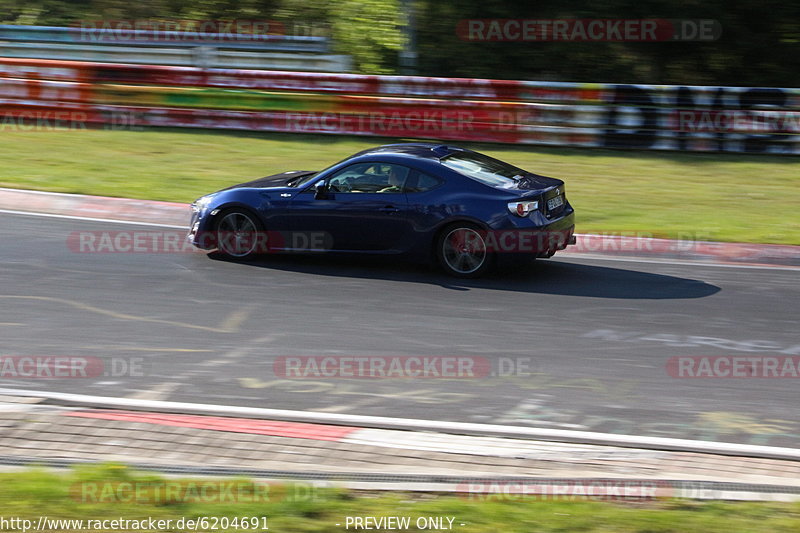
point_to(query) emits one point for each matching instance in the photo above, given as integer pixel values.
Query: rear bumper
(540, 238)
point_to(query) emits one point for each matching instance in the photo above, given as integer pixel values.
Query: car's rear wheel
(462, 252)
(239, 234)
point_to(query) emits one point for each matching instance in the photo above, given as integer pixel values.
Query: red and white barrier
(728, 119)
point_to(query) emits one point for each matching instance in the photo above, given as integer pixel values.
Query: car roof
(414, 150)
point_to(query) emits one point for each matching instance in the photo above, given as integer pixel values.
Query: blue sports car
(457, 207)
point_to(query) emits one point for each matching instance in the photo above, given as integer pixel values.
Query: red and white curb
(409, 424)
(101, 208)
(296, 430)
(385, 438)
(732, 253)
(461, 438)
(176, 215)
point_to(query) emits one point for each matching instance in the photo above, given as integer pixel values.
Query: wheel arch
(437, 230)
(213, 216)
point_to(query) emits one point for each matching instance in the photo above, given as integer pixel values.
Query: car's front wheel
(239, 234)
(462, 252)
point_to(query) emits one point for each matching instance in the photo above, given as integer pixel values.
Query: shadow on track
(541, 277)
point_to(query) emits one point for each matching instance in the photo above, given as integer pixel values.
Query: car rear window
(483, 168)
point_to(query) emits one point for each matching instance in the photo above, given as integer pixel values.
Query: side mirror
(320, 190)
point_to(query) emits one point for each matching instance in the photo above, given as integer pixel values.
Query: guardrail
(178, 48)
(88, 35)
(728, 119)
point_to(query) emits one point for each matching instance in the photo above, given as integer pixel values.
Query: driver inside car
(395, 182)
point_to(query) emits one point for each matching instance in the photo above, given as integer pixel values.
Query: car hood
(276, 180)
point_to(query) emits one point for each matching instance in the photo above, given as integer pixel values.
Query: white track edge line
(79, 195)
(90, 219)
(586, 437)
(665, 261)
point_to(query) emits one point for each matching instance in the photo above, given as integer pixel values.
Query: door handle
(388, 209)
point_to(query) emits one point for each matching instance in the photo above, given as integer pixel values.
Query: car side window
(392, 178)
(370, 178)
(419, 182)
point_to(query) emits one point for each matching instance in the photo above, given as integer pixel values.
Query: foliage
(32, 495)
(759, 46)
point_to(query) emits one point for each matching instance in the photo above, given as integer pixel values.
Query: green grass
(744, 198)
(36, 493)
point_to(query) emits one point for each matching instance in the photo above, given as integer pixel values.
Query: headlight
(201, 203)
(522, 209)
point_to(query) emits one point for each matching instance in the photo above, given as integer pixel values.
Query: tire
(239, 234)
(461, 251)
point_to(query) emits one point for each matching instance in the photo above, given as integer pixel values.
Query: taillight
(522, 209)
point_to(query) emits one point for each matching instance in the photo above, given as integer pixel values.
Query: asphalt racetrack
(587, 341)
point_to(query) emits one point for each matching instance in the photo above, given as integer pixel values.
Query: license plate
(555, 202)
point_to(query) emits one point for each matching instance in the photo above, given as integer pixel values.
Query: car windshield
(484, 169)
(306, 180)
(301, 181)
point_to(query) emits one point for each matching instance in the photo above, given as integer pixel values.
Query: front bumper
(198, 235)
